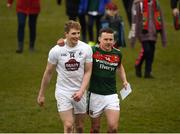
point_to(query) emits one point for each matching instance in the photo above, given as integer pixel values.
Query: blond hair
(71, 24)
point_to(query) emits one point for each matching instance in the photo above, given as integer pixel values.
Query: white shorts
(66, 102)
(98, 103)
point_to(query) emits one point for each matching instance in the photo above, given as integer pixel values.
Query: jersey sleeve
(53, 57)
(120, 54)
(89, 54)
(120, 57)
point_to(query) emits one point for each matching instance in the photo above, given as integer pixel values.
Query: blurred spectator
(147, 22)
(24, 8)
(175, 12)
(96, 9)
(113, 20)
(128, 6)
(82, 12)
(74, 9)
(71, 8)
(174, 6)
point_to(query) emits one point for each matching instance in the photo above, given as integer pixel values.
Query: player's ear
(99, 39)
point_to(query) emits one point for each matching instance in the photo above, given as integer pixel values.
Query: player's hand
(125, 84)
(41, 100)
(77, 95)
(60, 42)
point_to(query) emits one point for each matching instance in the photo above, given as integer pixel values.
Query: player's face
(73, 36)
(106, 41)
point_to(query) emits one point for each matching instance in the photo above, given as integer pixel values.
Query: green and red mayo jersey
(103, 78)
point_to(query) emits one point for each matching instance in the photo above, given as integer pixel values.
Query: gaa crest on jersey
(80, 54)
(72, 65)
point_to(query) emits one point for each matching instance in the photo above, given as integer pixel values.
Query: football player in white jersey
(73, 63)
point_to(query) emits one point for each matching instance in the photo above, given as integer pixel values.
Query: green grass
(153, 106)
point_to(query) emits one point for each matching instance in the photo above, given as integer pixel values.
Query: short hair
(71, 24)
(106, 30)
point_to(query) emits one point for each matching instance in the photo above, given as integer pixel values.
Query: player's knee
(68, 127)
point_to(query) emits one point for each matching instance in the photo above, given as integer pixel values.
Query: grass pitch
(153, 105)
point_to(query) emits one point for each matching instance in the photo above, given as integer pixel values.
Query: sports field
(153, 106)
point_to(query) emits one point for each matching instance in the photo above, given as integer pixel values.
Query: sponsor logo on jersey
(109, 58)
(72, 65)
